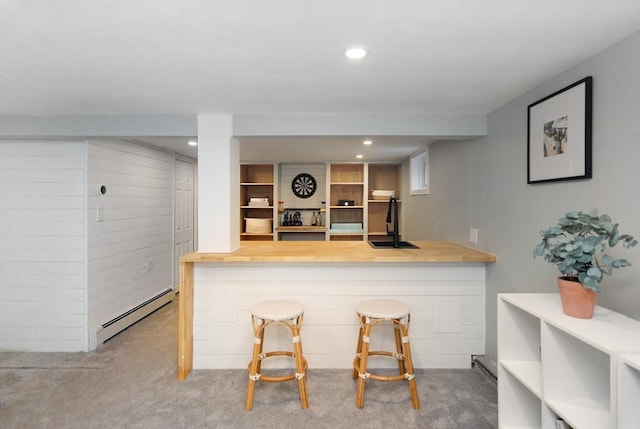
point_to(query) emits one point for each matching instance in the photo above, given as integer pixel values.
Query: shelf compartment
(256, 174)
(347, 173)
(519, 407)
(255, 191)
(346, 192)
(519, 334)
(582, 413)
(628, 389)
(346, 215)
(384, 176)
(527, 372)
(576, 379)
(377, 215)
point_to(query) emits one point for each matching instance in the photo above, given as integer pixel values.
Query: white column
(218, 185)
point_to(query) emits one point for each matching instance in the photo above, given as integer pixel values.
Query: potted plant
(577, 245)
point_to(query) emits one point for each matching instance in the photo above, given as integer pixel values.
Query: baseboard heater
(118, 324)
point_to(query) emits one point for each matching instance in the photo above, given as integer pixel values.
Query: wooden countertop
(342, 251)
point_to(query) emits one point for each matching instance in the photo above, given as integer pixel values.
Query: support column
(218, 184)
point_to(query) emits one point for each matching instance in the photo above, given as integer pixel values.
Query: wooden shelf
(303, 228)
(295, 209)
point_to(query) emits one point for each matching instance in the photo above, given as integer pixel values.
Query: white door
(183, 219)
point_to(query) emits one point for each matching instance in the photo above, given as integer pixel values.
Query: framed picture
(559, 135)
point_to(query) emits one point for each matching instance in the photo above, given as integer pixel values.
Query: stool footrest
(394, 355)
(276, 379)
(279, 378)
(390, 377)
(276, 353)
(399, 377)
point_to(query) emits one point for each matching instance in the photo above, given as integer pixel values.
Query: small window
(419, 170)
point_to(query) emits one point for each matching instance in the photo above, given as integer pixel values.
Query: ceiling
(286, 57)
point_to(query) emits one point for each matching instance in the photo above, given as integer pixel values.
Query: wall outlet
(149, 265)
(473, 235)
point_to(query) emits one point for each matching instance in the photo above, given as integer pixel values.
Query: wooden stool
(371, 313)
(289, 314)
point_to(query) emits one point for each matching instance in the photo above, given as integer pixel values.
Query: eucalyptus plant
(576, 242)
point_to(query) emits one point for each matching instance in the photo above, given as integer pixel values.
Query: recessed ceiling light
(367, 142)
(355, 53)
(193, 143)
(359, 156)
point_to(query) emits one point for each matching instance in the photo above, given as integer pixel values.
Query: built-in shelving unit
(346, 202)
(257, 181)
(346, 206)
(552, 366)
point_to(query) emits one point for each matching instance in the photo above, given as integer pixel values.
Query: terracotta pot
(577, 301)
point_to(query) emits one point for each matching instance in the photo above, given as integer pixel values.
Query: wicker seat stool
(287, 313)
(372, 313)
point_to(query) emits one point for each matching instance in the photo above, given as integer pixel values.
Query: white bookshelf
(550, 366)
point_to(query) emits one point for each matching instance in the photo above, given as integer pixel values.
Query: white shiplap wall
(42, 246)
(287, 173)
(136, 227)
(446, 300)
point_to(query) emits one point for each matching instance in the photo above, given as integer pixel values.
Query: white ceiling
(285, 57)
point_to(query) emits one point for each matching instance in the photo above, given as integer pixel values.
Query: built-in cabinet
(257, 209)
(552, 367)
(348, 209)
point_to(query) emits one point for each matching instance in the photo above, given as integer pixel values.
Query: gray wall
(482, 184)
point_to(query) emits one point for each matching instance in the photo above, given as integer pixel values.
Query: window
(419, 171)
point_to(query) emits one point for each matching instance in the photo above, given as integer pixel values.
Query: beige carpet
(26, 360)
(130, 382)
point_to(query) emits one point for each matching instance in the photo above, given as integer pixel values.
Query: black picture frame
(559, 129)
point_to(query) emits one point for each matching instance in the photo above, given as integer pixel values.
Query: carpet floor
(130, 382)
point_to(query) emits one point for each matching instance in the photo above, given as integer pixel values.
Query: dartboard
(303, 185)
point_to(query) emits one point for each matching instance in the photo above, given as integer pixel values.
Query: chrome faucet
(393, 205)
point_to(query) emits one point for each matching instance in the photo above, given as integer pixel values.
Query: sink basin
(389, 245)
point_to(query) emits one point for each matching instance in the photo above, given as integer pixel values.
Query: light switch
(99, 214)
(473, 235)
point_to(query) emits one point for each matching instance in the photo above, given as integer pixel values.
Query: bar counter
(328, 277)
